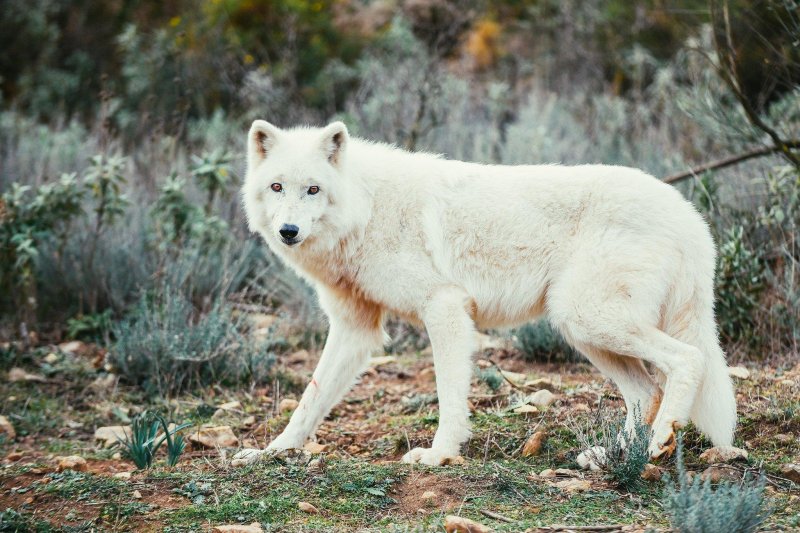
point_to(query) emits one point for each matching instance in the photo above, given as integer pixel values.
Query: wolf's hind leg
(351, 340)
(640, 391)
(453, 339)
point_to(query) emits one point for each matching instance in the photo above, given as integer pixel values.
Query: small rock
(287, 404)
(122, 475)
(427, 374)
(542, 398)
(315, 447)
(307, 508)
(514, 377)
(526, 409)
(71, 462)
(791, 471)
(249, 420)
(18, 374)
(73, 347)
(457, 460)
(215, 437)
(547, 473)
(723, 454)
(111, 435)
(117, 456)
(14, 456)
(651, 472)
(581, 408)
(574, 485)
(566, 472)
(230, 406)
(738, 372)
(255, 527)
(137, 495)
(541, 383)
(534, 444)
(460, 524)
(592, 459)
(298, 357)
(428, 495)
(382, 360)
(7, 428)
(51, 358)
(104, 383)
(720, 473)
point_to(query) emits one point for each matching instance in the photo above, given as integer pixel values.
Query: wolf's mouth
(290, 242)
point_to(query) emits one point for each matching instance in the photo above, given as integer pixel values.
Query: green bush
(695, 507)
(166, 345)
(540, 342)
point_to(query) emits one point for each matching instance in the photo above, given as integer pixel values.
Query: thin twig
(731, 160)
(496, 516)
(561, 527)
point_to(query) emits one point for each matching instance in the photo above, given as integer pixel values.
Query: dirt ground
(353, 478)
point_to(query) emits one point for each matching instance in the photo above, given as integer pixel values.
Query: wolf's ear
(334, 142)
(260, 140)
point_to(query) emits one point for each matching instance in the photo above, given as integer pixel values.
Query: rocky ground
(62, 471)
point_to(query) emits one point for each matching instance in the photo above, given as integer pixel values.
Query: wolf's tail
(714, 408)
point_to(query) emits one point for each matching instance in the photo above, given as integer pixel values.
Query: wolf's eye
(277, 187)
(313, 189)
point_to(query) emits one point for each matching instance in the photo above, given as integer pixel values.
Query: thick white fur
(618, 261)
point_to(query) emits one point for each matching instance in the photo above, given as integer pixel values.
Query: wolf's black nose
(289, 231)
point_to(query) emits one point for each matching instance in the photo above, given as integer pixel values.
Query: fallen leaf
(307, 508)
(463, 525)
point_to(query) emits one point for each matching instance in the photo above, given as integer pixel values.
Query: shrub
(624, 452)
(540, 342)
(166, 345)
(695, 507)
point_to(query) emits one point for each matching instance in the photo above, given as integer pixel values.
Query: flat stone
(214, 437)
(723, 454)
(428, 495)
(574, 485)
(287, 404)
(137, 495)
(122, 475)
(547, 473)
(717, 474)
(542, 398)
(533, 446)
(298, 357)
(738, 372)
(307, 508)
(18, 374)
(382, 360)
(541, 383)
(651, 472)
(51, 358)
(791, 471)
(315, 447)
(230, 406)
(525, 409)
(459, 524)
(111, 435)
(255, 527)
(71, 462)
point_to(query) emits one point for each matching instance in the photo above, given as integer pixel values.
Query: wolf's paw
(432, 457)
(663, 445)
(247, 456)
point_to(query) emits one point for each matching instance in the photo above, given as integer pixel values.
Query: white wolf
(618, 261)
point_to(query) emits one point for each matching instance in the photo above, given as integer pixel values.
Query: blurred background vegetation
(122, 129)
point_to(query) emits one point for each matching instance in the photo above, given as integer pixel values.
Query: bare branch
(732, 160)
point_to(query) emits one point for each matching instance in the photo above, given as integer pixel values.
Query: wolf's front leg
(345, 356)
(453, 339)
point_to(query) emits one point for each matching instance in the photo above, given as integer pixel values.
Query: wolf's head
(293, 177)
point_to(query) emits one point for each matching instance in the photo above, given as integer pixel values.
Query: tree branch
(732, 160)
